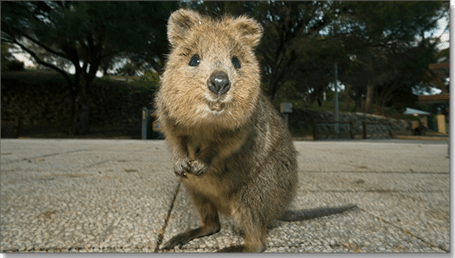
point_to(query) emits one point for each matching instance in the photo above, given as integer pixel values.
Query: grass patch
(46, 77)
(330, 106)
(34, 77)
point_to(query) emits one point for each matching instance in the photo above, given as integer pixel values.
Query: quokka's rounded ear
(180, 23)
(250, 30)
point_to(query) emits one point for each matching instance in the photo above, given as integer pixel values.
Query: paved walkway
(118, 196)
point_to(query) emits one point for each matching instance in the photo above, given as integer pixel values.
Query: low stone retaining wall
(303, 119)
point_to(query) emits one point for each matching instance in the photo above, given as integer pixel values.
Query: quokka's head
(212, 76)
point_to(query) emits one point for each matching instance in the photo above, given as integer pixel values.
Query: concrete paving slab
(374, 181)
(425, 216)
(87, 160)
(372, 156)
(13, 150)
(354, 231)
(116, 195)
(120, 206)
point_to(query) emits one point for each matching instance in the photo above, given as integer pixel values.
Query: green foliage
(14, 65)
(388, 51)
(6, 54)
(46, 77)
(443, 54)
(129, 69)
(329, 105)
(148, 82)
(35, 77)
(85, 33)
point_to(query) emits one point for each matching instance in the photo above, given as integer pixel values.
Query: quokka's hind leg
(210, 224)
(255, 237)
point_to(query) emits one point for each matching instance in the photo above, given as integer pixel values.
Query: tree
(86, 34)
(390, 49)
(294, 48)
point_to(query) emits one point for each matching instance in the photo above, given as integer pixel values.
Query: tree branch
(41, 62)
(44, 46)
(94, 56)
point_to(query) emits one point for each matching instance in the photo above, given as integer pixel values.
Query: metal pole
(145, 118)
(337, 111)
(448, 142)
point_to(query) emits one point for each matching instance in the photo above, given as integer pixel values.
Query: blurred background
(344, 68)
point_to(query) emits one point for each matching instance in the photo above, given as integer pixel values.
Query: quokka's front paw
(197, 167)
(181, 167)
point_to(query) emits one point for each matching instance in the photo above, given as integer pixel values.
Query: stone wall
(48, 105)
(303, 120)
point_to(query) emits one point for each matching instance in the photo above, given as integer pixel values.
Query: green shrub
(14, 65)
(148, 82)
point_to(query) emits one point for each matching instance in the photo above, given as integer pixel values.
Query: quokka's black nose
(219, 83)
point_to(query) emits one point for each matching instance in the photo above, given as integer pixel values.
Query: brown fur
(234, 152)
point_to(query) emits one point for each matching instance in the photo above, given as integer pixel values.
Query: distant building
(418, 127)
(441, 71)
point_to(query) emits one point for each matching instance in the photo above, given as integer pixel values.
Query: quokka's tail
(314, 213)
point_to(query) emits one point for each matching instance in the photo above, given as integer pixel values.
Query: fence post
(145, 120)
(351, 129)
(337, 129)
(315, 129)
(17, 127)
(286, 109)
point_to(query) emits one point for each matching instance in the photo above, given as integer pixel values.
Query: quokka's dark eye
(235, 62)
(195, 60)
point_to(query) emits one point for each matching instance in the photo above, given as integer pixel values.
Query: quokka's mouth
(216, 106)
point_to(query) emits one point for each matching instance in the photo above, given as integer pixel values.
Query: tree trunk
(369, 99)
(357, 104)
(81, 107)
(270, 93)
(386, 95)
(357, 100)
